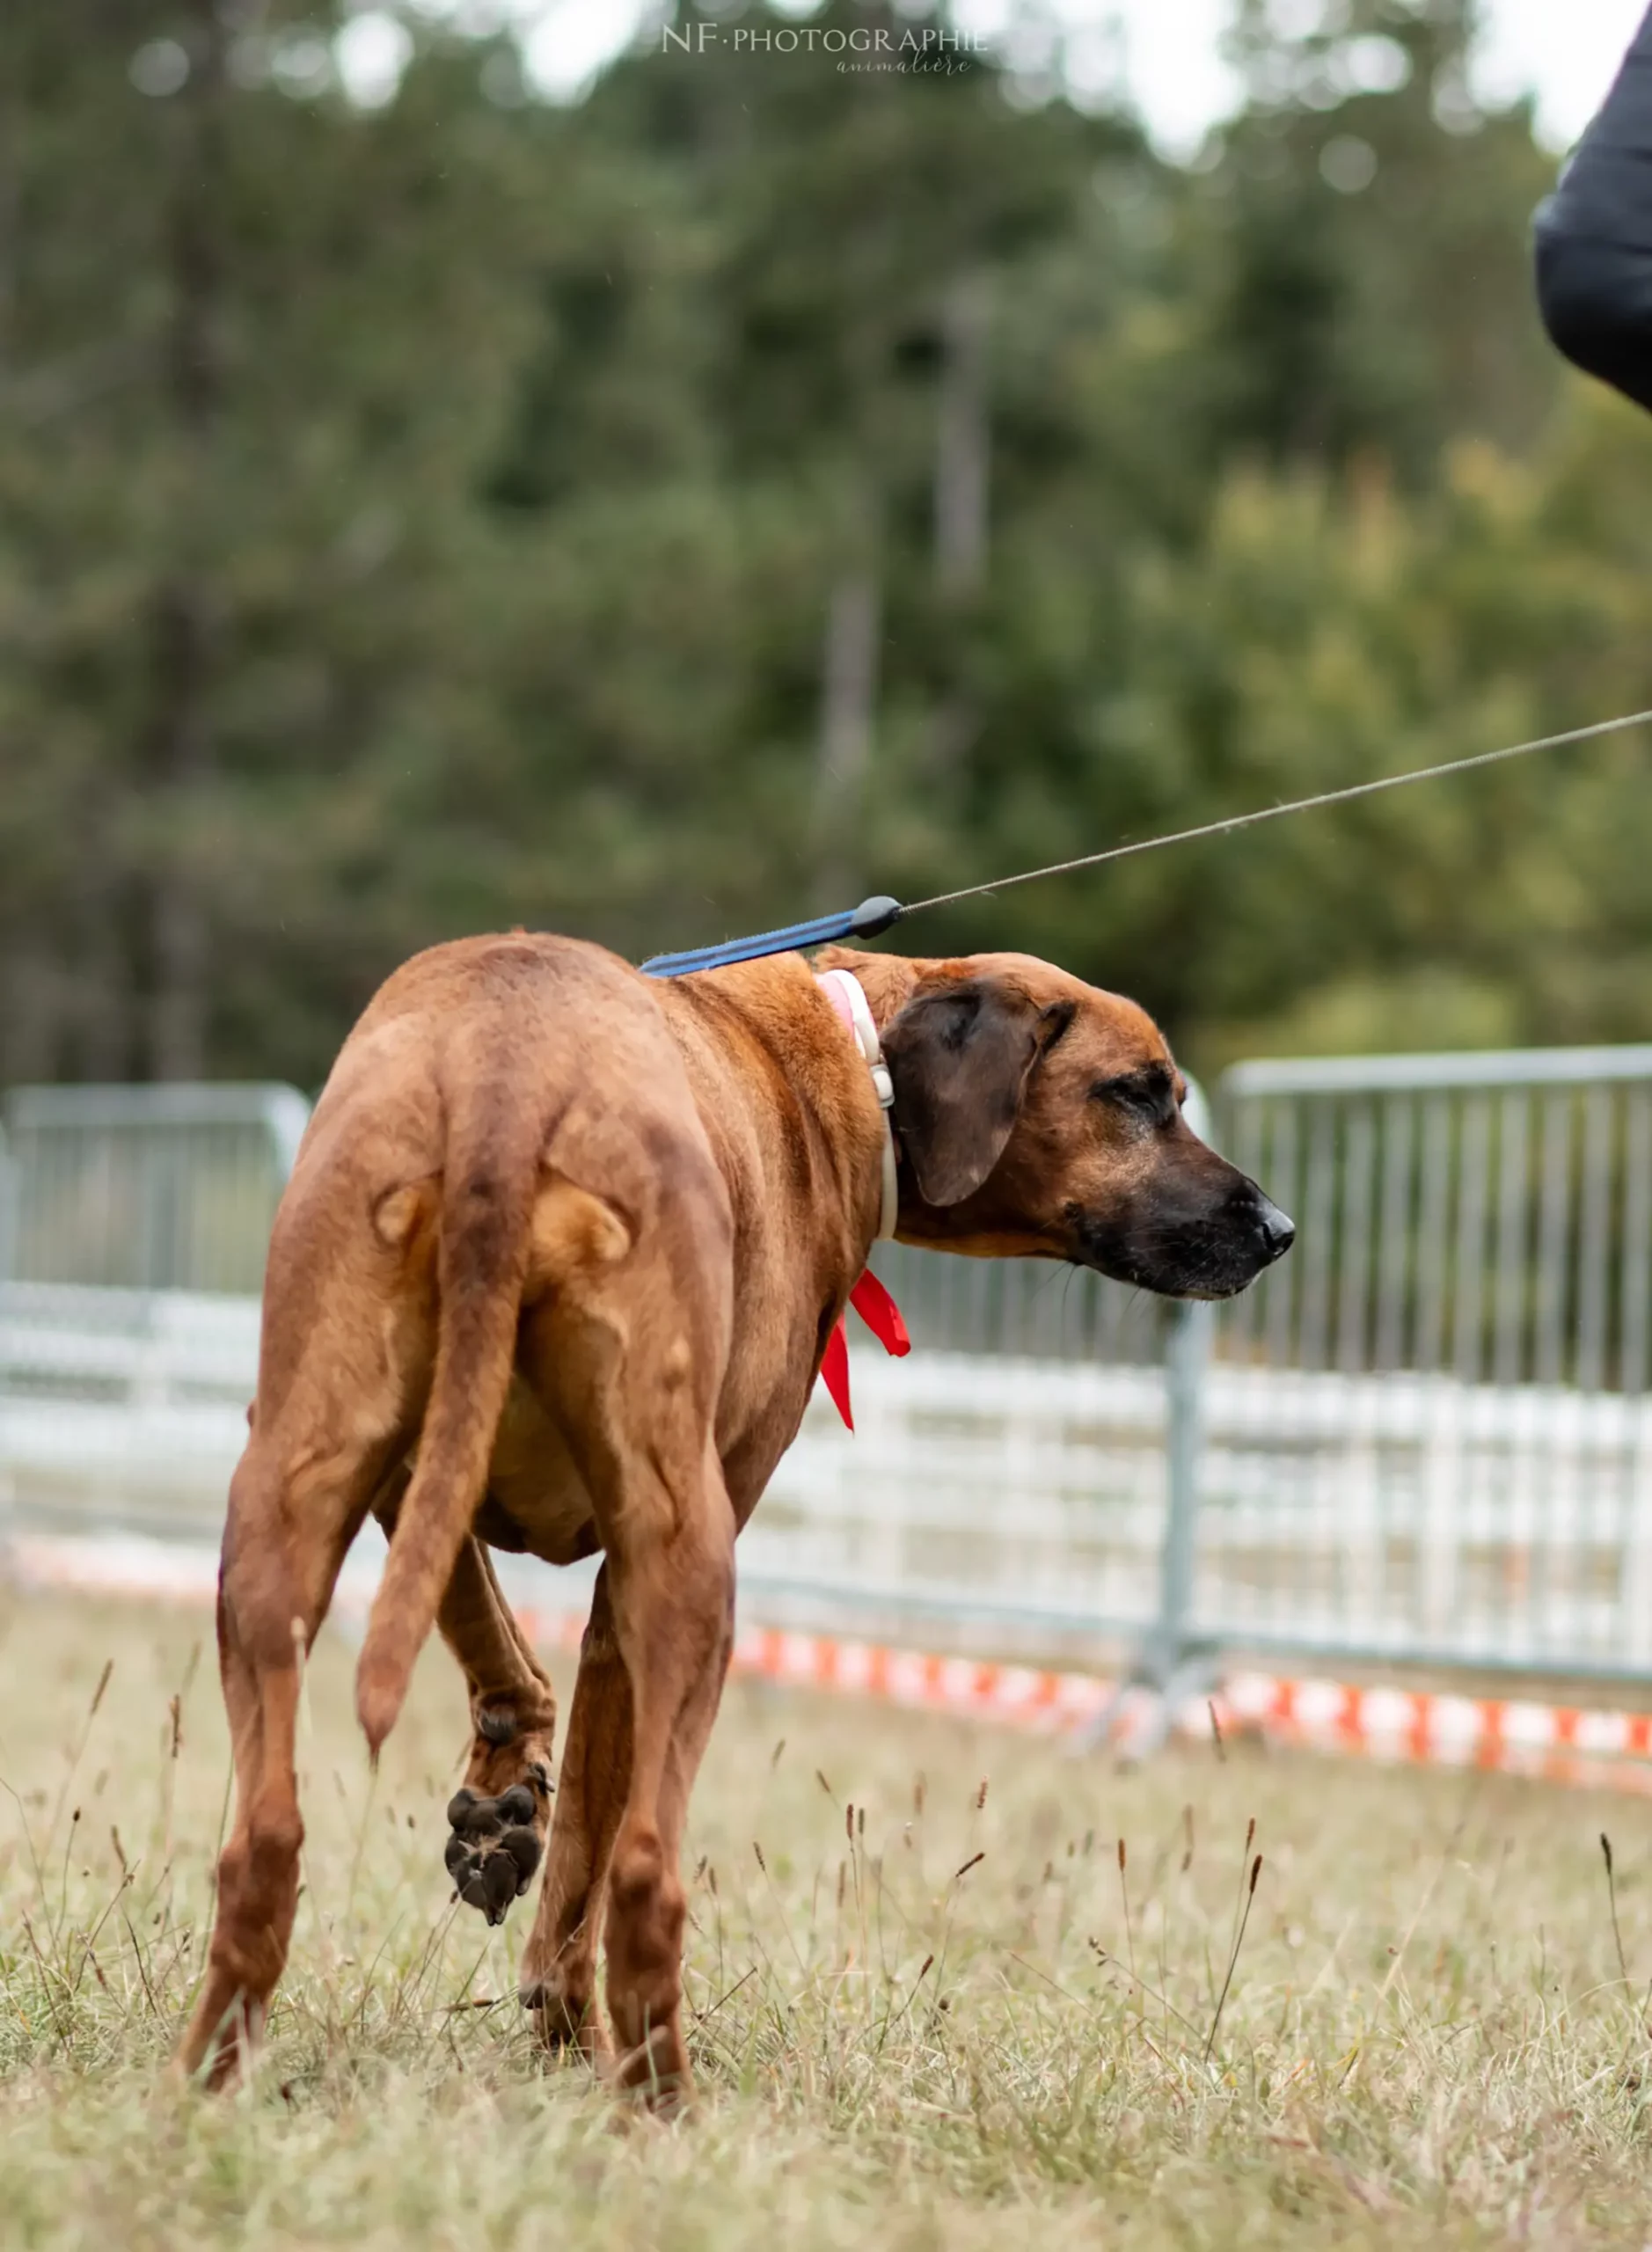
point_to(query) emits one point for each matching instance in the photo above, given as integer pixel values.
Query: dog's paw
(564, 2020)
(495, 1848)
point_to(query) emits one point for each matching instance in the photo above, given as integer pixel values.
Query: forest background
(762, 482)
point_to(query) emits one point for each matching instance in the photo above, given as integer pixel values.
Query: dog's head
(1039, 1117)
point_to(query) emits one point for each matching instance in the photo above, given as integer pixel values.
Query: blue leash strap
(866, 921)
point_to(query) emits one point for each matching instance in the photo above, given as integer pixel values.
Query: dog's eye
(1149, 1095)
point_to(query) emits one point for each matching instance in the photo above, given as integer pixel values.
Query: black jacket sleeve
(1594, 237)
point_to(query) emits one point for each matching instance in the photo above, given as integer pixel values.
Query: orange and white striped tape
(1563, 1743)
(1580, 1746)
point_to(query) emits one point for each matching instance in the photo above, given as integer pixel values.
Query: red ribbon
(882, 1317)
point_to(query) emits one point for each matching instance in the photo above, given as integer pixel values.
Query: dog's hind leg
(627, 1351)
(259, 1660)
(651, 1675)
(346, 1359)
(674, 1610)
(288, 1528)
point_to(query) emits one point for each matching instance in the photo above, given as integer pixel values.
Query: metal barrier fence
(1428, 1432)
(146, 1188)
(133, 1227)
(1425, 1437)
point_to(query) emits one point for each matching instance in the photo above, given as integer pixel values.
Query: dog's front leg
(499, 1816)
(558, 1966)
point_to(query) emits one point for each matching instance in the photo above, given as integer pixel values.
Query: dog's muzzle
(1276, 1230)
(1184, 1248)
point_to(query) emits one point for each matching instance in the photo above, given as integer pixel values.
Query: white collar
(843, 988)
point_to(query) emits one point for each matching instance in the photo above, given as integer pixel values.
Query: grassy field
(917, 2021)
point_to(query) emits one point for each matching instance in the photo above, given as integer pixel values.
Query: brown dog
(555, 1270)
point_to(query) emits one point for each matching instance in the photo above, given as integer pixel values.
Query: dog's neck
(844, 990)
(887, 980)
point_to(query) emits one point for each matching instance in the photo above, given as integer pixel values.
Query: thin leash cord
(1297, 804)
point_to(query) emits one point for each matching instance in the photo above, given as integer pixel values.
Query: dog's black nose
(1278, 1230)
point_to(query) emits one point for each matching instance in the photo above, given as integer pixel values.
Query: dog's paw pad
(493, 1851)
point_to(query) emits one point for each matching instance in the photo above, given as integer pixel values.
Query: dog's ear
(959, 1058)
